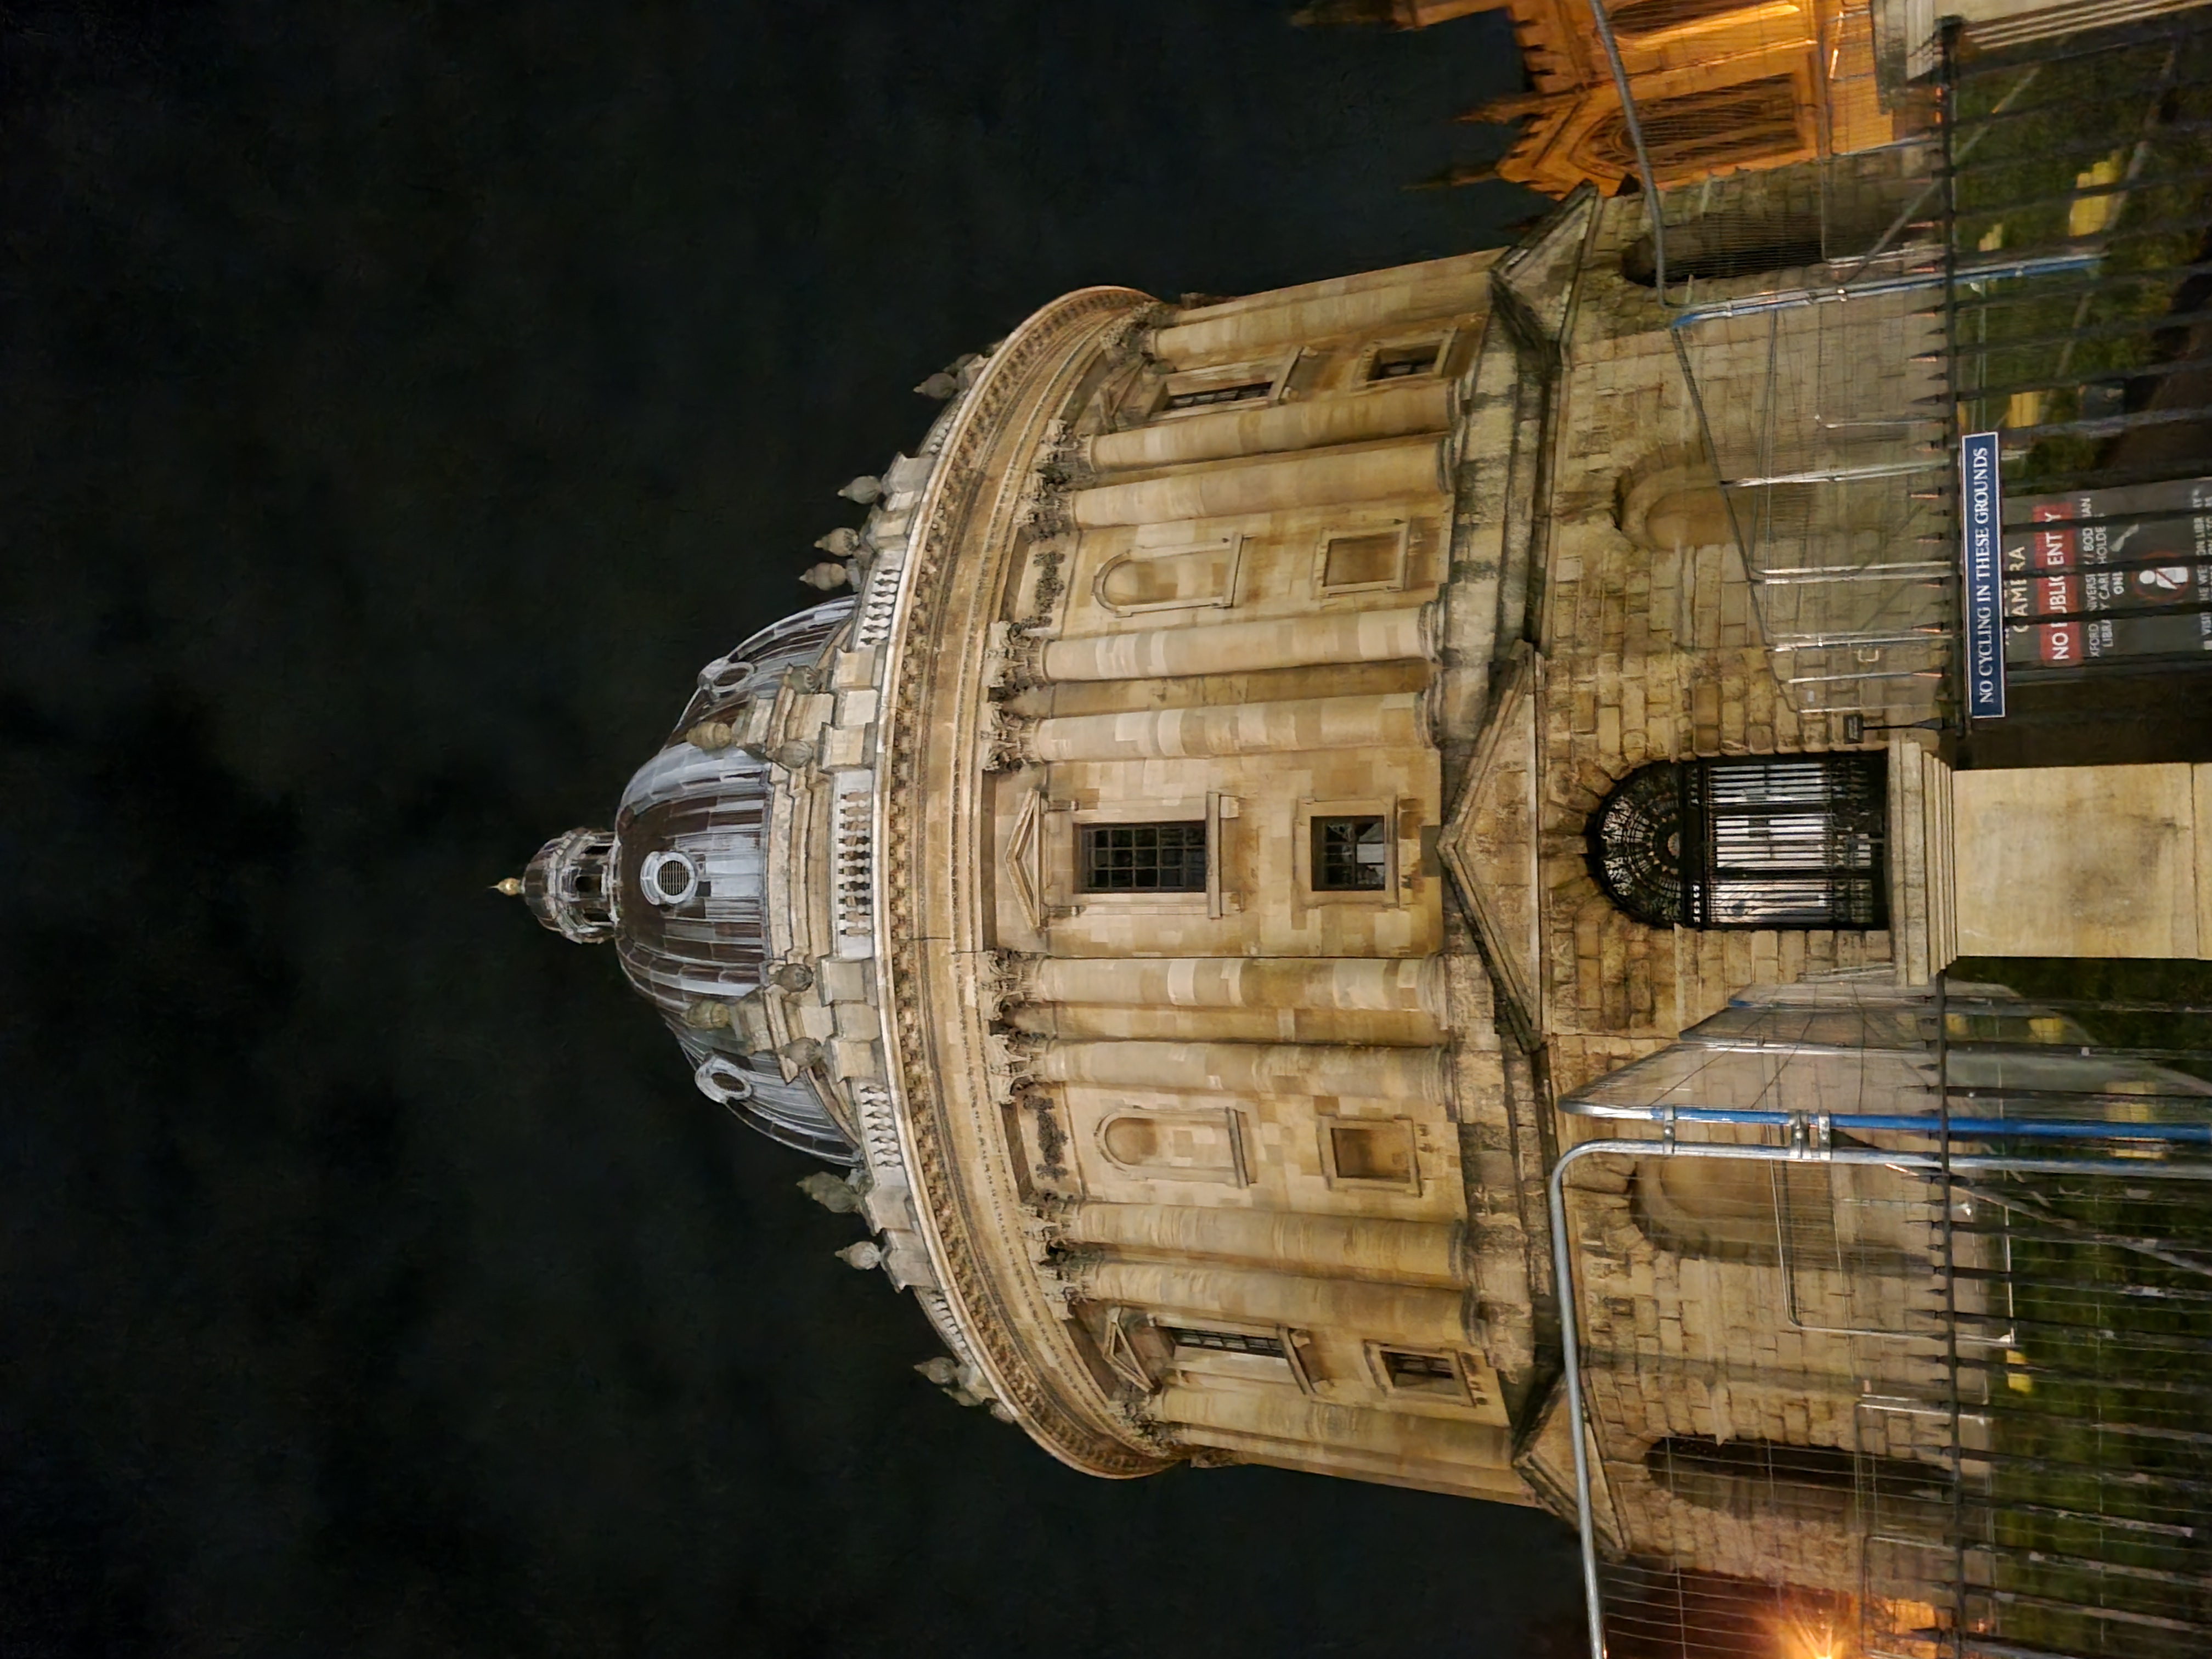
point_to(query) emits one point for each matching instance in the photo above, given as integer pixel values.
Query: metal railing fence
(2003, 1231)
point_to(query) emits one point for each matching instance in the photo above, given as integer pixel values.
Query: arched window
(1183, 579)
(1775, 841)
(1174, 1145)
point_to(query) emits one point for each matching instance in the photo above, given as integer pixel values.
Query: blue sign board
(1981, 518)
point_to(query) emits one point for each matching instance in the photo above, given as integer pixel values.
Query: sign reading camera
(1981, 517)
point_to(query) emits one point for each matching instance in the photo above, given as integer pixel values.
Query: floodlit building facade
(1276, 756)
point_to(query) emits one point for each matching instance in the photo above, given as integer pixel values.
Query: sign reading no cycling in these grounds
(1981, 517)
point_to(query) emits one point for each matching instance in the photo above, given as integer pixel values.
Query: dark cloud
(403, 401)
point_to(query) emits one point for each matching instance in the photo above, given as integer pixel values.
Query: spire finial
(511, 887)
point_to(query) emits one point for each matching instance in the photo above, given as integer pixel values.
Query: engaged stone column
(1325, 1246)
(1382, 720)
(1342, 304)
(1249, 1068)
(1284, 1415)
(1401, 408)
(1315, 639)
(1122, 1022)
(1418, 1314)
(1375, 984)
(1323, 478)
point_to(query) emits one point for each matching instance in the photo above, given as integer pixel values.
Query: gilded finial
(511, 887)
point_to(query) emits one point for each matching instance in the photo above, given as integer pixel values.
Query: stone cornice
(931, 830)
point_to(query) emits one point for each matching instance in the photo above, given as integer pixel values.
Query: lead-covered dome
(680, 886)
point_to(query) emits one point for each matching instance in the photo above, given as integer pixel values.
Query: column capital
(1013, 657)
(1010, 1058)
(1132, 339)
(1003, 979)
(1007, 742)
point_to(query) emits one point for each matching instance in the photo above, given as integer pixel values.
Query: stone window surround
(1363, 378)
(1227, 1118)
(1396, 582)
(1391, 895)
(1326, 1124)
(1060, 848)
(1225, 599)
(1457, 1393)
(1343, 858)
(1240, 1367)
(1117, 857)
(1152, 405)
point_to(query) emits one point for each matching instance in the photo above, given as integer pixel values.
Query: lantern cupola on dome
(568, 889)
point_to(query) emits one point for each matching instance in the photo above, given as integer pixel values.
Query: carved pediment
(1489, 841)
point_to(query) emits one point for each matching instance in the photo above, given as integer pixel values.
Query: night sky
(403, 401)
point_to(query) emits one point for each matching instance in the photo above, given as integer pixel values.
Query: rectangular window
(1206, 396)
(1380, 1154)
(1226, 1342)
(1144, 857)
(1410, 1372)
(1350, 854)
(1399, 363)
(1367, 560)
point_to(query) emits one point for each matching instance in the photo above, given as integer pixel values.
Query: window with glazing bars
(1782, 841)
(1400, 363)
(1349, 855)
(1206, 396)
(1144, 857)
(1420, 1373)
(1225, 1341)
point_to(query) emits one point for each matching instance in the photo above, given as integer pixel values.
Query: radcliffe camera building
(1290, 766)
